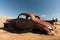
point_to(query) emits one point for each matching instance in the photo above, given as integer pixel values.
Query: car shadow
(37, 31)
(19, 31)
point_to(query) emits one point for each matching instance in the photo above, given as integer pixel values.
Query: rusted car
(30, 21)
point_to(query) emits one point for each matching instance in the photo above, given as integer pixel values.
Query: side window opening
(37, 17)
(28, 17)
(22, 17)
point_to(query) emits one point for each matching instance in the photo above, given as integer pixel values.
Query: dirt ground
(5, 35)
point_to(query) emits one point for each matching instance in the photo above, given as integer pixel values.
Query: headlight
(50, 29)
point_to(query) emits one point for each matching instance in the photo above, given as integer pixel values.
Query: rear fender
(42, 28)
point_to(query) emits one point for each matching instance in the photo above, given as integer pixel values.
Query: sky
(46, 9)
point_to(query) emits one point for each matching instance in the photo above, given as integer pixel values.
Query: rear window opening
(37, 17)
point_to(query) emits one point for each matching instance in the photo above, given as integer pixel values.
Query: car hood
(46, 24)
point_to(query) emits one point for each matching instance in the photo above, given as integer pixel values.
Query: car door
(21, 22)
(24, 22)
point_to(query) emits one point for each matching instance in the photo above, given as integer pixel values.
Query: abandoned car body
(29, 21)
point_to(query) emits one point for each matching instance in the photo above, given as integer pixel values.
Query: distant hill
(3, 19)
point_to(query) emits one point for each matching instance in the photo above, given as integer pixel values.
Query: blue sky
(46, 9)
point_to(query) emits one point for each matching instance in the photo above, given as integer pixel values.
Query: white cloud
(43, 15)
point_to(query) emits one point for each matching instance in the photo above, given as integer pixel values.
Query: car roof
(30, 14)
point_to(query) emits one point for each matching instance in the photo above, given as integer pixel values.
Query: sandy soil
(5, 35)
